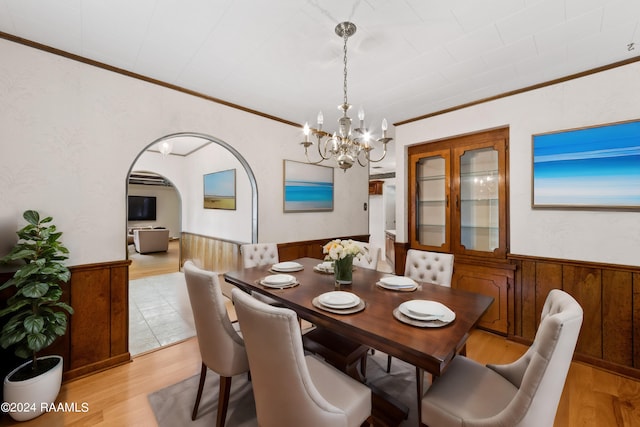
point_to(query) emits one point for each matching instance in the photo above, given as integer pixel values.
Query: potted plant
(35, 316)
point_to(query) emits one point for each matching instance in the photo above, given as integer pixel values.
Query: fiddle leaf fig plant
(36, 316)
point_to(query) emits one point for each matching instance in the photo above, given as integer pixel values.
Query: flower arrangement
(339, 249)
(342, 252)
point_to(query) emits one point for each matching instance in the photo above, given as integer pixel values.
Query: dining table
(429, 346)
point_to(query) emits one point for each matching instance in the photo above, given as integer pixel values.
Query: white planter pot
(29, 398)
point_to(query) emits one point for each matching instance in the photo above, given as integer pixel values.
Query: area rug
(172, 405)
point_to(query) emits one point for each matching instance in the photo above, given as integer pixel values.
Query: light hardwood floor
(118, 396)
(144, 265)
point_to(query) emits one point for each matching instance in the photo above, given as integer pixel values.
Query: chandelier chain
(346, 36)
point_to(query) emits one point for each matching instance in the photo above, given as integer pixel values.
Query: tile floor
(159, 312)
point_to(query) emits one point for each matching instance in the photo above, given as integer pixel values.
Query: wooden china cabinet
(458, 190)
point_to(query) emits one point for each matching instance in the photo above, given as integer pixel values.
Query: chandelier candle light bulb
(306, 132)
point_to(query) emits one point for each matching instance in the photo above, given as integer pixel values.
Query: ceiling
(408, 58)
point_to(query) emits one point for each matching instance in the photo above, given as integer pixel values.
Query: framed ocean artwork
(590, 168)
(307, 187)
(220, 190)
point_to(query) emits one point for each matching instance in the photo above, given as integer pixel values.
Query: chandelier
(346, 145)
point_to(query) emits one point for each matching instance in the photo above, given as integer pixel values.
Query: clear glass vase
(343, 270)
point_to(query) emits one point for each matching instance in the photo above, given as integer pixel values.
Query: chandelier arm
(323, 155)
(384, 153)
(360, 163)
(306, 154)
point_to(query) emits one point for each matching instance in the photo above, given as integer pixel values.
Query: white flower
(339, 249)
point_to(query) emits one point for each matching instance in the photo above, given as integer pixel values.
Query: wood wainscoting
(220, 255)
(99, 329)
(310, 248)
(210, 253)
(97, 337)
(609, 295)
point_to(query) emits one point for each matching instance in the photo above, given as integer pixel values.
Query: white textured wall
(598, 236)
(70, 132)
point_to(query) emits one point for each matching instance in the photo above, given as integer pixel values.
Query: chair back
(432, 267)
(370, 256)
(541, 372)
(221, 347)
(282, 386)
(256, 254)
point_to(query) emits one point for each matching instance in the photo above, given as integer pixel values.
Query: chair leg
(223, 400)
(363, 367)
(368, 422)
(388, 364)
(203, 376)
(419, 391)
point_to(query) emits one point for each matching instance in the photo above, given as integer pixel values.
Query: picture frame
(307, 187)
(219, 190)
(596, 167)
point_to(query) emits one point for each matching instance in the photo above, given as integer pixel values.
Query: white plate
(398, 282)
(427, 310)
(287, 266)
(279, 279)
(398, 288)
(339, 299)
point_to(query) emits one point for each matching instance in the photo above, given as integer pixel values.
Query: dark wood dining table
(427, 348)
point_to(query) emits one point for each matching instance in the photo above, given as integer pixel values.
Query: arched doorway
(177, 138)
(185, 146)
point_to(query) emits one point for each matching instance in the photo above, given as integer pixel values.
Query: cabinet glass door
(432, 201)
(479, 200)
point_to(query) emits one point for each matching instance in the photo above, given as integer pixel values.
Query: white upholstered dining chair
(524, 393)
(431, 267)
(255, 254)
(292, 389)
(221, 346)
(369, 256)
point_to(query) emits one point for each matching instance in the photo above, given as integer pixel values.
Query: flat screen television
(142, 208)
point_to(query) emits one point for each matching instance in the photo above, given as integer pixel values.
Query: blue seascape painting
(593, 167)
(307, 187)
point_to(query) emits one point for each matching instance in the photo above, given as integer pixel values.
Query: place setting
(325, 267)
(279, 281)
(339, 302)
(424, 313)
(286, 267)
(397, 283)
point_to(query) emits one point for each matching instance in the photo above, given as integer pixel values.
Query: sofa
(151, 240)
(130, 231)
